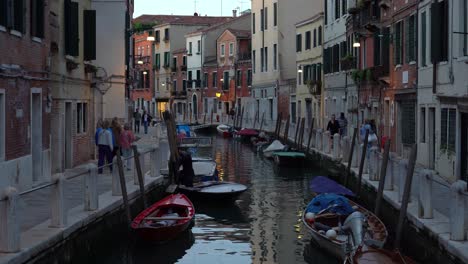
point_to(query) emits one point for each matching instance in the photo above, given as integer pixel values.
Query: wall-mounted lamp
(150, 38)
(140, 62)
(356, 44)
(145, 72)
(300, 69)
(218, 95)
(222, 80)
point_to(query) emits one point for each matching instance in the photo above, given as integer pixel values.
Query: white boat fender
(331, 234)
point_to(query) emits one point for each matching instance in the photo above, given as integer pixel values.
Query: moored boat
(275, 146)
(289, 158)
(224, 130)
(214, 191)
(205, 170)
(369, 255)
(338, 225)
(165, 219)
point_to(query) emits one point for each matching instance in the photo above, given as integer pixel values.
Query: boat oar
(166, 218)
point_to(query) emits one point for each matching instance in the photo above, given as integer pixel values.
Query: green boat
(289, 158)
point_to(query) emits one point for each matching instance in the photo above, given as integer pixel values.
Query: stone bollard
(373, 164)
(116, 189)
(402, 171)
(318, 140)
(59, 212)
(155, 163)
(9, 222)
(345, 146)
(457, 211)
(157, 132)
(425, 209)
(91, 197)
(164, 148)
(326, 142)
(336, 146)
(391, 169)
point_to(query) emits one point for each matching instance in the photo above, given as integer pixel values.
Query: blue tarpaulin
(332, 202)
(185, 128)
(321, 184)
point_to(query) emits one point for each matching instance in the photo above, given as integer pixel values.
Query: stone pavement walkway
(34, 208)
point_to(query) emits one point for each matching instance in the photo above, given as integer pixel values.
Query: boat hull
(283, 161)
(215, 191)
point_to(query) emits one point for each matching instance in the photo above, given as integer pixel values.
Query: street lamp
(145, 72)
(300, 69)
(150, 38)
(356, 44)
(218, 95)
(140, 62)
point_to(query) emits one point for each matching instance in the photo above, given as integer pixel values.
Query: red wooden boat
(165, 219)
(369, 255)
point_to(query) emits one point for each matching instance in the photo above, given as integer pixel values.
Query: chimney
(234, 13)
(195, 14)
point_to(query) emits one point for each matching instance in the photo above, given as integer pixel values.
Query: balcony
(144, 59)
(244, 56)
(183, 68)
(179, 94)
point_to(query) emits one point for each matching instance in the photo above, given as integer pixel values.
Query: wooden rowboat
(289, 159)
(368, 255)
(224, 130)
(214, 191)
(165, 219)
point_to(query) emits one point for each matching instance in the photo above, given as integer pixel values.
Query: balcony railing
(183, 68)
(244, 56)
(179, 94)
(144, 59)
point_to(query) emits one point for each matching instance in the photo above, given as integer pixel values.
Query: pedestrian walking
(343, 122)
(146, 121)
(137, 120)
(98, 130)
(333, 126)
(105, 146)
(126, 140)
(116, 130)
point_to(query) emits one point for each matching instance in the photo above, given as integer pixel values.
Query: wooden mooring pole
(383, 174)
(350, 157)
(406, 195)
(301, 136)
(361, 165)
(297, 131)
(123, 187)
(261, 123)
(242, 117)
(141, 183)
(286, 130)
(310, 134)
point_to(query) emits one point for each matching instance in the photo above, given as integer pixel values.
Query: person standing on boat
(187, 174)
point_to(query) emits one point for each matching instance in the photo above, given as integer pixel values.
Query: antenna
(195, 3)
(240, 5)
(221, 7)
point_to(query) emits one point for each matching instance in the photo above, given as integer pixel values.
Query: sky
(187, 7)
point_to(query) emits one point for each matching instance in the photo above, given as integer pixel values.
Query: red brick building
(143, 77)
(24, 94)
(179, 83)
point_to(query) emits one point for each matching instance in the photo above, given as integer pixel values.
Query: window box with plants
(315, 87)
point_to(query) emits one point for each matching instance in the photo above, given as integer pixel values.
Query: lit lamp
(300, 69)
(356, 44)
(145, 72)
(150, 38)
(140, 62)
(218, 95)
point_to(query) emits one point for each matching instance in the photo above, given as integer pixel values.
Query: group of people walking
(111, 138)
(141, 118)
(340, 126)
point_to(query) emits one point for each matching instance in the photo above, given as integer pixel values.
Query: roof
(309, 20)
(171, 19)
(240, 33)
(218, 25)
(182, 50)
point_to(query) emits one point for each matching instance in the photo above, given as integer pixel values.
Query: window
(253, 23)
(439, 31)
(226, 80)
(81, 117)
(262, 20)
(239, 78)
(308, 40)
(157, 84)
(337, 9)
(298, 43)
(464, 27)
(275, 57)
(293, 112)
(166, 59)
(423, 39)
(320, 35)
(266, 18)
(299, 78)
(157, 61)
(448, 129)
(89, 32)
(249, 78)
(189, 80)
(157, 37)
(222, 50)
(71, 27)
(205, 80)
(147, 79)
(37, 18)
(266, 58)
(398, 52)
(262, 68)
(190, 48)
(166, 34)
(215, 80)
(336, 58)
(377, 49)
(422, 125)
(275, 14)
(254, 61)
(231, 49)
(198, 81)
(410, 39)
(325, 6)
(174, 63)
(198, 47)
(344, 8)
(184, 61)
(184, 85)
(315, 37)
(408, 120)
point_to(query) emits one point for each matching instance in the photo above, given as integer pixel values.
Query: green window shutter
(406, 40)
(37, 18)
(435, 33)
(409, 120)
(89, 21)
(71, 28)
(423, 38)
(18, 15)
(319, 72)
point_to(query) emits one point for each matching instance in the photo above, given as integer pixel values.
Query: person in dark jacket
(333, 126)
(187, 174)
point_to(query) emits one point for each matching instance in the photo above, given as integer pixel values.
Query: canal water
(263, 226)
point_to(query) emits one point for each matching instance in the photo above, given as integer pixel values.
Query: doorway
(464, 146)
(195, 106)
(68, 135)
(36, 135)
(431, 136)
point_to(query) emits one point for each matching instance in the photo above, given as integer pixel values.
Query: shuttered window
(448, 124)
(439, 31)
(166, 59)
(253, 23)
(342, 51)
(377, 50)
(239, 78)
(3, 13)
(398, 28)
(205, 79)
(336, 58)
(275, 14)
(308, 40)
(37, 18)
(344, 7)
(226, 81)
(326, 11)
(262, 20)
(215, 80)
(408, 122)
(89, 26)
(157, 61)
(249, 77)
(326, 60)
(337, 9)
(266, 18)
(410, 40)
(298, 42)
(315, 38)
(320, 35)
(71, 28)
(18, 15)
(147, 77)
(386, 49)
(423, 39)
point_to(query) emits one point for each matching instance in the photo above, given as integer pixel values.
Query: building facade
(273, 60)
(143, 78)
(25, 101)
(307, 101)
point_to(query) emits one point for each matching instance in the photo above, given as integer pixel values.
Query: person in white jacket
(105, 147)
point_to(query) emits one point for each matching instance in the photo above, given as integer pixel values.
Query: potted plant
(348, 62)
